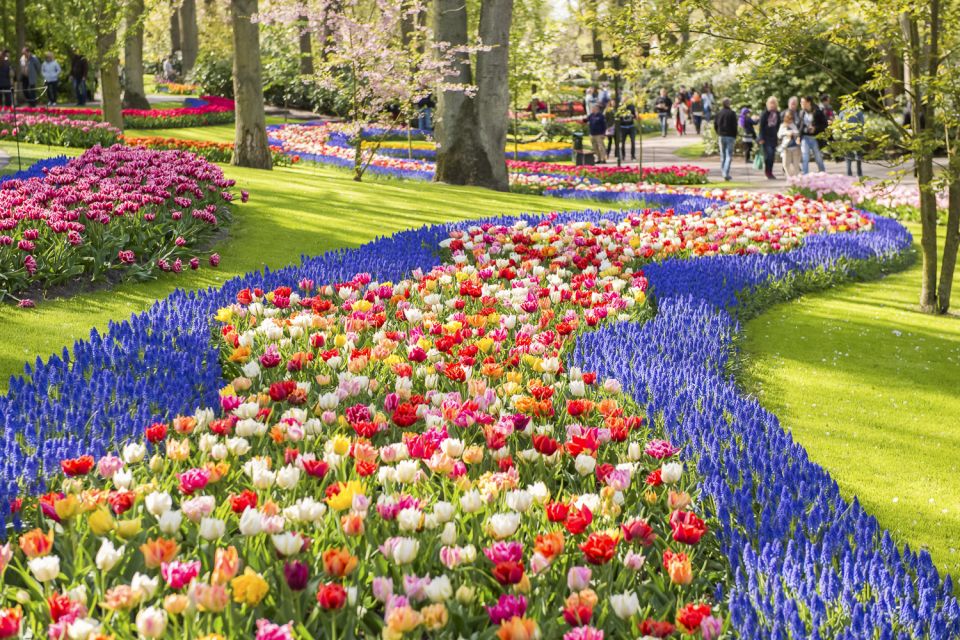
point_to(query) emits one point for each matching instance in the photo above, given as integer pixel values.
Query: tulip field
(479, 415)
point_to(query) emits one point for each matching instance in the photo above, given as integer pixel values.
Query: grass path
(871, 388)
(292, 211)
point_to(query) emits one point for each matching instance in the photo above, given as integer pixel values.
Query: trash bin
(581, 157)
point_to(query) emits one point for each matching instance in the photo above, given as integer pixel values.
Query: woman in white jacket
(50, 70)
(789, 135)
(681, 113)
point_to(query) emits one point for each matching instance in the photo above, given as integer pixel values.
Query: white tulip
(169, 523)
(625, 605)
(145, 585)
(108, 556)
(405, 550)
(212, 528)
(585, 464)
(158, 503)
(439, 589)
(134, 452)
(449, 534)
(45, 569)
(471, 501)
(250, 522)
(671, 472)
(287, 544)
(288, 477)
(152, 622)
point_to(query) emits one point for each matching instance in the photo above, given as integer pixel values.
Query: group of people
(795, 134)
(609, 126)
(685, 107)
(28, 72)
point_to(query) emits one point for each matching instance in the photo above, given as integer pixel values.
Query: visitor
(748, 125)
(826, 108)
(29, 75)
(680, 112)
(6, 79)
(78, 76)
(169, 72)
(50, 69)
(770, 121)
(707, 96)
(856, 121)
(696, 110)
(812, 124)
(628, 127)
(683, 94)
(591, 98)
(425, 112)
(793, 107)
(610, 117)
(604, 96)
(536, 106)
(663, 106)
(597, 127)
(725, 124)
(789, 136)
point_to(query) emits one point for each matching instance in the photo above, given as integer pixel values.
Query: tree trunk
(952, 242)
(460, 155)
(920, 120)
(21, 20)
(175, 31)
(188, 35)
(250, 146)
(109, 78)
(306, 48)
(134, 95)
(493, 94)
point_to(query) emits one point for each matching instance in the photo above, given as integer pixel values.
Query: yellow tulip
(249, 588)
(101, 522)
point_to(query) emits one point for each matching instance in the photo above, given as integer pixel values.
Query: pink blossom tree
(381, 56)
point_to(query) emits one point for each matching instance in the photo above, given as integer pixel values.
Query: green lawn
(871, 388)
(30, 153)
(213, 133)
(292, 211)
(691, 151)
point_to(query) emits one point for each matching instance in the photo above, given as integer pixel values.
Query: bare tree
(21, 21)
(174, 29)
(250, 146)
(134, 95)
(306, 48)
(107, 58)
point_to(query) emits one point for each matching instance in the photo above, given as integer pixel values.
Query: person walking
(50, 69)
(628, 127)
(789, 136)
(856, 121)
(770, 122)
(78, 76)
(793, 106)
(725, 125)
(826, 107)
(597, 127)
(696, 110)
(707, 96)
(610, 119)
(749, 136)
(425, 112)
(813, 123)
(662, 105)
(589, 98)
(30, 71)
(6, 79)
(681, 112)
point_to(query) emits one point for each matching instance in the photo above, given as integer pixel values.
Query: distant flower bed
(178, 89)
(117, 211)
(212, 151)
(56, 130)
(204, 111)
(902, 201)
(611, 175)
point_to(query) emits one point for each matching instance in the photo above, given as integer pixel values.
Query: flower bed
(207, 110)
(794, 544)
(902, 201)
(213, 151)
(56, 130)
(117, 210)
(177, 89)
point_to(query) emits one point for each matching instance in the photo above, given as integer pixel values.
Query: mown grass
(871, 388)
(304, 210)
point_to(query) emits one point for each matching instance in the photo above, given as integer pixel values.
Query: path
(662, 152)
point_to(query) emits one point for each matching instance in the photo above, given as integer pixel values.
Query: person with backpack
(813, 123)
(663, 106)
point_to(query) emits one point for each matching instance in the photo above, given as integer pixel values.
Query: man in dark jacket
(770, 121)
(662, 105)
(812, 123)
(597, 125)
(725, 124)
(78, 75)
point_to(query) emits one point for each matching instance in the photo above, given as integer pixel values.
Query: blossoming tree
(382, 56)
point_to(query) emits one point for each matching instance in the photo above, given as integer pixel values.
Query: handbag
(758, 162)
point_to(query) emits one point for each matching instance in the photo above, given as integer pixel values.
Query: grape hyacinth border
(805, 562)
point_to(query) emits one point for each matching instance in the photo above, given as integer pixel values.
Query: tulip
(45, 568)
(151, 622)
(108, 556)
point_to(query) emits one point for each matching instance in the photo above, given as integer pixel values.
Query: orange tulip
(36, 543)
(157, 551)
(226, 562)
(339, 562)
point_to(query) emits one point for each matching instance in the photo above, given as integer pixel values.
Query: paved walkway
(662, 152)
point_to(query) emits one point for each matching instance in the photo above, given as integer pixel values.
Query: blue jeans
(425, 120)
(726, 154)
(663, 123)
(80, 89)
(808, 144)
